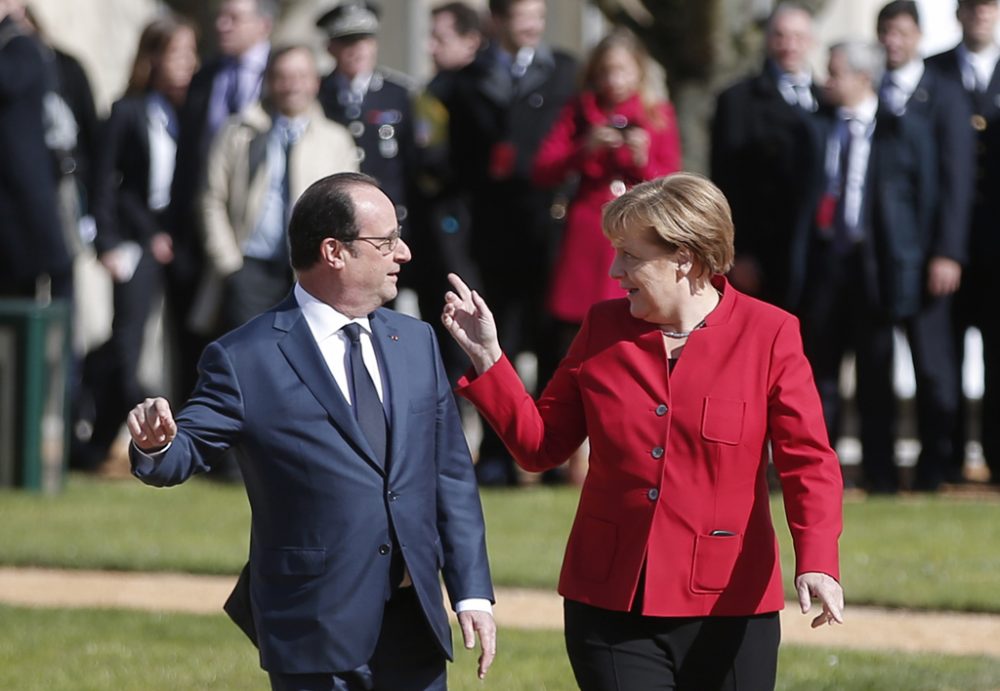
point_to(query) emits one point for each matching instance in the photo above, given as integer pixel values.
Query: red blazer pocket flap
(722, 420)
(714, 560)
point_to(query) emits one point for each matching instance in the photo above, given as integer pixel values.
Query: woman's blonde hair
(685, 210)
(627, 41)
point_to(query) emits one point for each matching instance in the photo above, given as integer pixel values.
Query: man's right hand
(151, 425)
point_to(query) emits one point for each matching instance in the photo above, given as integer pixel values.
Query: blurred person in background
(260, 163)
(857, 269)
(133, 173)
(442, 211)
(502, 106)
(33, 249)
(763, 137)
(75, 148)
(610, 137)
(372, 102)
(613, 135)
(972, 66)
(222, 87)
(671, 577)
(910, 91)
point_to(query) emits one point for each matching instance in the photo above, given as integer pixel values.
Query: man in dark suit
(32, 244)
(502, 106)
(223, 86)
(857, 267)
(763, 138)
(913, 92)
(442, 212)
(360, 483)
(972, 66)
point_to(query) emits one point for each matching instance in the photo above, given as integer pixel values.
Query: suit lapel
(300, 349)
(392, 367)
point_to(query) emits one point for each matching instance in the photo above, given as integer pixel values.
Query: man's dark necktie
(233, 101)
(367, 407)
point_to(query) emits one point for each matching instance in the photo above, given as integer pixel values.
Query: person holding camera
(612, 136)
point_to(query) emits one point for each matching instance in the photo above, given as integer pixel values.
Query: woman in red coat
(685, 387)
(612, 136)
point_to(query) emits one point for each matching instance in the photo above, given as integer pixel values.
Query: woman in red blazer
(671, 575)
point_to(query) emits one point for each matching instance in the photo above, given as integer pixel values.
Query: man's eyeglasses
(385, 245)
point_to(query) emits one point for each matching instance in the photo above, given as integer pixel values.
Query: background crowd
(861, 204)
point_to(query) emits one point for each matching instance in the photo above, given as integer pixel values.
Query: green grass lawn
(95, 650)
(925, 552)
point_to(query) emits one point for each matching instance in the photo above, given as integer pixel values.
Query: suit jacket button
(384, 549)
(393, 496)
(662, 409)
(657, 453)
(653, 494)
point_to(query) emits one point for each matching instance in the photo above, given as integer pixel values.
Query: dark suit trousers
(111, 371)
(837, 317)
(936, 367)
(973, 308)
(626, 651)
(406, 658)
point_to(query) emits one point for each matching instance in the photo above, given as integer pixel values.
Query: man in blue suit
(360, 482)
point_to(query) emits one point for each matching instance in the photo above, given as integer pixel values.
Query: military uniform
(381, 121)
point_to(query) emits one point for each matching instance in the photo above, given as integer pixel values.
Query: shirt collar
(864, 112)
(358, 85)
(908, 76)
(255, 58)
(323, 320)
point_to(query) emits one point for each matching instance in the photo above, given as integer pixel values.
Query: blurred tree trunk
(704, 46)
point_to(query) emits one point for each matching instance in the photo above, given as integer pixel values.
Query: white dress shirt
(977, 68)
(162, 133)
(899, 85)
(796, 89)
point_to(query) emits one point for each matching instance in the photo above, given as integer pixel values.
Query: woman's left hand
(827, 590)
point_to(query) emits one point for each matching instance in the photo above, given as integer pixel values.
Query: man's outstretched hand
(151, 425)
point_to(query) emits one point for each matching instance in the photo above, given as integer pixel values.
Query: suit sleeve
(539, 436)
(461, 527)
(956, 151)
(809, 470)
(209, 423)
(727, 143)
(218, 236)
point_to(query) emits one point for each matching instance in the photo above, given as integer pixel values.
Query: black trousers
(973, 307)
(626, 651)
(406, 658)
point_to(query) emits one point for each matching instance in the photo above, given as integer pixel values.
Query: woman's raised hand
(470, 322)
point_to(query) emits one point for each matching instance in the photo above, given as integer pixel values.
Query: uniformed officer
(372, 103)
(972, 65)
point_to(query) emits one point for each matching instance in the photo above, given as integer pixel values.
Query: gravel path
(866, 627)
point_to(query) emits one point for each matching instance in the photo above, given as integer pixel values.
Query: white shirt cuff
(474, 604)
(146, 462)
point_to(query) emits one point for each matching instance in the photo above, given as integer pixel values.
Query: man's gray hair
(784, 8)
(269, 9)
(863, 57)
